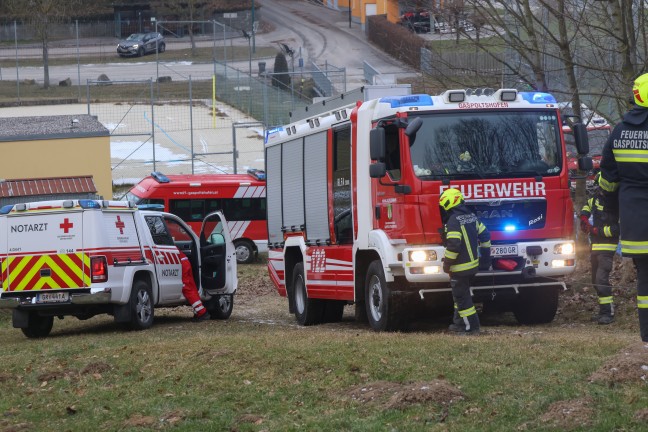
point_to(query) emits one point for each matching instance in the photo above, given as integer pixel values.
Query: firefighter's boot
(473, 327)
(606, 314)
(458, 324)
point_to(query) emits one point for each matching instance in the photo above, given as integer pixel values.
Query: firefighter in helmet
(463, 235)
(624, 177)
(604, 237)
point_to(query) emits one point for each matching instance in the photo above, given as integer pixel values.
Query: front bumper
(543, 256)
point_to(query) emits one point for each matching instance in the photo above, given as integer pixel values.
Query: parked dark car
(139, 44)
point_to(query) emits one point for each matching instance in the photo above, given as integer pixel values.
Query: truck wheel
(220, 307)
(382, 307)
(536, 305)
(307, 311)
(141, 306)
(39, 326)
(244, 251)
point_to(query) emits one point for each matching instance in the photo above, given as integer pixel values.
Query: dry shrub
(396, 40)
(391, 395)
(569, 414)
(630, 365)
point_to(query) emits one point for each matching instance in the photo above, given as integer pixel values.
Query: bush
(396, 40)
(281, 77)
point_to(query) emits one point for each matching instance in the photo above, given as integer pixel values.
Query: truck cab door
(218, 256)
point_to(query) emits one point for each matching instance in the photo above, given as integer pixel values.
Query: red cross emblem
(120, 225)
(66, 225)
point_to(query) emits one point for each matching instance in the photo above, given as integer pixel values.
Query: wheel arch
(362, 261)
(292, 256)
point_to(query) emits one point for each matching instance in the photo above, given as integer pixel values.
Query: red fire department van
(241, 197)
(353, 213)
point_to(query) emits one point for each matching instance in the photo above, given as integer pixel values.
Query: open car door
(217, 256)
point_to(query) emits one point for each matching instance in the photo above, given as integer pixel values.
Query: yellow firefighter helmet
(450, 198)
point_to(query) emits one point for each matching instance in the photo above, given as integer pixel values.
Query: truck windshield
(494, 144)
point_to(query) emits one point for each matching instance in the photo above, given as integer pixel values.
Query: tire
(161, 47)
(307, 311)
(220, 307)
(141, 306)
(536, 305)
(140, 52)
(39, 326)
(333, 311)
(383, 311)
(244, 251)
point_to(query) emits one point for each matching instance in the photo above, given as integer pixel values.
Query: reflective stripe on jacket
(464, 234)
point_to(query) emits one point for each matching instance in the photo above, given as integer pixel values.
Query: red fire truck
(192, 197)
(353, 212)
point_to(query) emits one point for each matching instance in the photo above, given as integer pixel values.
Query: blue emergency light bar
(89, 204)
(159, 177)
(6, 209)
(409, 100)
(538, 97)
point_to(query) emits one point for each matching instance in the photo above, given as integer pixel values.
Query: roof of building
(50, 127)
(47, 186)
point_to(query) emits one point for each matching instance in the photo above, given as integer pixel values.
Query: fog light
(431, 270)
(562, 263)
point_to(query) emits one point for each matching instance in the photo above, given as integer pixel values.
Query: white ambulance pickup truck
(87, 257)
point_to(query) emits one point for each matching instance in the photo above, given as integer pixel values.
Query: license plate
(504, 250)
(53, 297)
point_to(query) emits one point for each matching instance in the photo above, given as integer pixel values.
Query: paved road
(320, 34)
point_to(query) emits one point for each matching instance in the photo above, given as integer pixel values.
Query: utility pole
(252, 32)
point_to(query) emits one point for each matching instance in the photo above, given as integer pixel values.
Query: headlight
(422, 255)
(564, 249)
(136, 46)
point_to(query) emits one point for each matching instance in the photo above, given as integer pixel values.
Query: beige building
(56, 146)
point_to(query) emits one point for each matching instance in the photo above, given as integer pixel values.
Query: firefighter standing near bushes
(624, 174)
(604, 238)
(463, 235)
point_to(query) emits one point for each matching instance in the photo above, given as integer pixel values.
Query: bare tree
(43, 14)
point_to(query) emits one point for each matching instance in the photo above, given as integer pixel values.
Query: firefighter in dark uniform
(604, 238)
(624, 176)
(464, 235)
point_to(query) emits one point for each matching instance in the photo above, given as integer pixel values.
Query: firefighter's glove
(584, 224)
(446, 267)
(484, 263)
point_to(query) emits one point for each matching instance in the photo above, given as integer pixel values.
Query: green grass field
(259, 371)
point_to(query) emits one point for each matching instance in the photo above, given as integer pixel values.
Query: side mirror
(581, 140)
(377, 170)
(585, 163)
(413, 127)
(377, 147)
